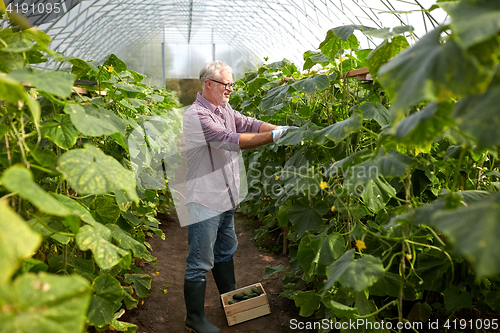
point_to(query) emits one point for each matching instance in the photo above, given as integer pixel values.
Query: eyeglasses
(226, 85)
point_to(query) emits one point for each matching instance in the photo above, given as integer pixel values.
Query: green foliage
(73, 222)
(356, 274)
(387, 192)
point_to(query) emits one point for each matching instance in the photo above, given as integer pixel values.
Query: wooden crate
(247, 309)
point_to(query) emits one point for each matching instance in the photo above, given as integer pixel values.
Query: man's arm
(254, 140)
(266, 127)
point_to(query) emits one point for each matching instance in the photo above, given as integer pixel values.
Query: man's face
(222, 94)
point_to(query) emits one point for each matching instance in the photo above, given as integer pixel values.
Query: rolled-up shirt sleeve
(246, 124)
(218, 136)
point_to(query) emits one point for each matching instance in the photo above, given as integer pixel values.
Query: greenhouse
(333, 163)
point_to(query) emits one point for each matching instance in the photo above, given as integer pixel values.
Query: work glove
(279, 131)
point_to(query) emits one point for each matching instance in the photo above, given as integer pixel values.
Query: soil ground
(162, 313)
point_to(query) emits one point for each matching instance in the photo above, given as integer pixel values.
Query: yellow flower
(164, 291)
(166, 181)
(360, 244)
(333, 208)
(157, 273)
(142, 303)
(321, 172)
(110, 68)
(276, 178)
(323, 185)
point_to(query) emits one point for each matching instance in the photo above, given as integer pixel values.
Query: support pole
(213, 46)
(163, 59)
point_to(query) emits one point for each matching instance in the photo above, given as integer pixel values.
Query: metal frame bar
(255, 28)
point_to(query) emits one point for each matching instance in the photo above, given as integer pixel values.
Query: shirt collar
(203, 101)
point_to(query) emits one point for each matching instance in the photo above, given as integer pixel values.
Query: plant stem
(8, 149)
(457, 169)
(378, 311)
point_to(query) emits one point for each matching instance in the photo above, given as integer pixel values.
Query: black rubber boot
(194, 296)
(224, 276)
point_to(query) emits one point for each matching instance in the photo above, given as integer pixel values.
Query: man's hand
(279, 131)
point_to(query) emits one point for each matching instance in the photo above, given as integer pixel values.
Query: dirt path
(166, 312)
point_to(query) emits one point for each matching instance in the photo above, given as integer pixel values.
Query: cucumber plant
(388, 191)
(73, 222)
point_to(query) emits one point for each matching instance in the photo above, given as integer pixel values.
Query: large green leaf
(340, 310)
(44, 303)
(386, 33)
(314, 57)
(341, 168)
(118, 65)
(94, 120)
(376, 193)
(107, 291)
(317, 250)
(333, 43)
(455, 299)
(311, 84)
(341, 38)
(375, 111)
(387, 285)
(97, 239)
(356, 274)
(61, 131)
(275, 97)
(83, 69)
(125, 241)
(22, 45)
(141, 282)
(56, 83)
(20, 180)
(423, 214)
(308, 301)
(431, 70)
(385, 52)
(123, 326)
(345, 31)
(296, 136)
(255, 84)
(270, 271)
(17, 242)
(479, 115)
(11, 90)
(423, 127)
(77, 209)
(10, 61)
(37, 35)
(305, 217)
(91, 171)
(474, 230)
(53, 224)
(393, 164)
(44, 157)
(339, 131)
(104, 210)
(473, 21)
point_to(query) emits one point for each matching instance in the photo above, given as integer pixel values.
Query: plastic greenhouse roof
(241, 32)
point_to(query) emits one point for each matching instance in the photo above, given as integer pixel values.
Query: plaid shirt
(212, 137)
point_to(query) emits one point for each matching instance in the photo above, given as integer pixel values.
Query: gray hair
(213, 70)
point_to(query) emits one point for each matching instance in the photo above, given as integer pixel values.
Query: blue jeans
(213, 240)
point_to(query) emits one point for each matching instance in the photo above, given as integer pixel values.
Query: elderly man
(214, 134)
